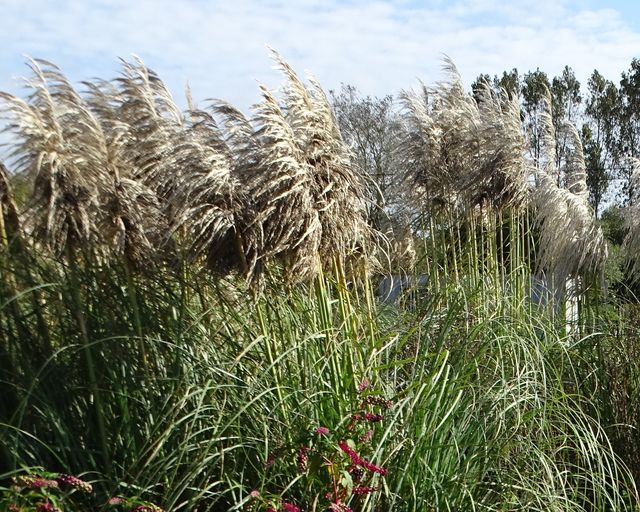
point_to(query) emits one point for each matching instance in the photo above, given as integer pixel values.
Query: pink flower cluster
(47, 506)
(367, 436)
(364, 489)
(286, 507)
(339, 507)
(303, 458)
(363, 385)
(377, 400)
(147, 508)
(74, 482)
(367, 416)
(321, 431)
(33, 482)
(359, 461)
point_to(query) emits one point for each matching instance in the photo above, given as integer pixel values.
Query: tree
(597, 175)
(534, 87)
(483, 81)
(510, 82)
(565, 103)
(565, 92)
(628, 144)
(602, 110)
(600, 135)
(371, 126)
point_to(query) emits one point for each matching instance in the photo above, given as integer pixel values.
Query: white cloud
(381, 47)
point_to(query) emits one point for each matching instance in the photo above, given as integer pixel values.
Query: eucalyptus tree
(628, 144)
(534, 87)
(479, 85)
(598, 176)
(566, 97)
(600, 135)
(632, 223)
(510, 82)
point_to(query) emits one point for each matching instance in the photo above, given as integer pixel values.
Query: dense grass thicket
(188, 316)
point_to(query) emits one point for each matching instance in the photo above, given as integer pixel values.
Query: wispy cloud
(381, 47)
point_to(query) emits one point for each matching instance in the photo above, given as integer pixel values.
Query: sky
(221, 48)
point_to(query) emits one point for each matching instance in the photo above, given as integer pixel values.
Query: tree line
(607, 116)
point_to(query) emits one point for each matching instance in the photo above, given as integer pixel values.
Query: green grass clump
(224, 390)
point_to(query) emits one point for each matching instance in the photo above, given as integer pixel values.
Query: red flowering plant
(133, 505)
(335, 465)
(41, 491)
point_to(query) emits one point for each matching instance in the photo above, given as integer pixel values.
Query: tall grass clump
(571, 243)
(466, 174)
(486, 417)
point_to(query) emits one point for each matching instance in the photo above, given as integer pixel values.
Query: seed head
(46, 506)
(73, 482)
(303, 458)
(34, 482)
(363, 385)
(364, 489)
(359, 461)
(339, 507)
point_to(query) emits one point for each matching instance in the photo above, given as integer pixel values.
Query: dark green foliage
(612, 222)
(598, 177)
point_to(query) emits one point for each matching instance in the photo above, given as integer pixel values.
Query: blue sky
(380, 47)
